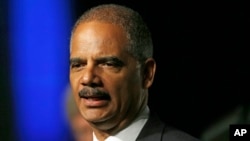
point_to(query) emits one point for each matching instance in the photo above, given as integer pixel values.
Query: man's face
(106, 80)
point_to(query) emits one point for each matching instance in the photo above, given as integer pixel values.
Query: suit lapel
(152, 130)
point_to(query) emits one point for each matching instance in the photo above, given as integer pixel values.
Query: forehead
(95, 35)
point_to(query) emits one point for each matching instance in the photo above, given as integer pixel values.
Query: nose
(89, 76)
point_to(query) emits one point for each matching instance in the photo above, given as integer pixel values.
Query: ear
(148, 72)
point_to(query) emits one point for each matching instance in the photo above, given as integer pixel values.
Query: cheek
(74, 82)
(134, 84)
(134, 81)
(74, 87)
(127, 87)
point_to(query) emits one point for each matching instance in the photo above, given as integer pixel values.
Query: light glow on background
(39, 40)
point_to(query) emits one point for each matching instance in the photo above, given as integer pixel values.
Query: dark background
(201, 53)
(5, 96)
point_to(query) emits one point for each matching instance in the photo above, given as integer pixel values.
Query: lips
(94, 97)
(97, 97)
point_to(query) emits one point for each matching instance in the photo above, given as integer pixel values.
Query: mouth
(96, 97)
(93, 97)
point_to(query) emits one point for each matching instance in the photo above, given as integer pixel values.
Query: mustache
(89, 92)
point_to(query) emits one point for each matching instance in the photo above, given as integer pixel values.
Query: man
(111, 70)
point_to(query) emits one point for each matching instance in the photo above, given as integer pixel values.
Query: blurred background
(202, 79)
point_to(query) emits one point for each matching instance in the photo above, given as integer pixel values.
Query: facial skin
(108, 83)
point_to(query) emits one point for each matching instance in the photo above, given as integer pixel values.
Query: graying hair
(139, 37)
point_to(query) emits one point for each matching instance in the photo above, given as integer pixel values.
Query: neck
(101, 135)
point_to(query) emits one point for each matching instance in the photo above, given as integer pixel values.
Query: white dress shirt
(131, 132)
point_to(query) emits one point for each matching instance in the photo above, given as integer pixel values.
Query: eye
(109, 64)
(112, 63)
(76, 66)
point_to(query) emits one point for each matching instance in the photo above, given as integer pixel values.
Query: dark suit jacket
(157, 130)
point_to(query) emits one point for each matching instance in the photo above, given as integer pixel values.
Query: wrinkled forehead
(99, 32)
(98, 37)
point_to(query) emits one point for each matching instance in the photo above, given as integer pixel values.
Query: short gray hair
(140, 41)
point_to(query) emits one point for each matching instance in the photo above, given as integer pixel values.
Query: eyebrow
(75, 60)
(114, 59)
(118, 61)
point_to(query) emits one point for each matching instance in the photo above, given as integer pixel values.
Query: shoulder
(157, 130)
